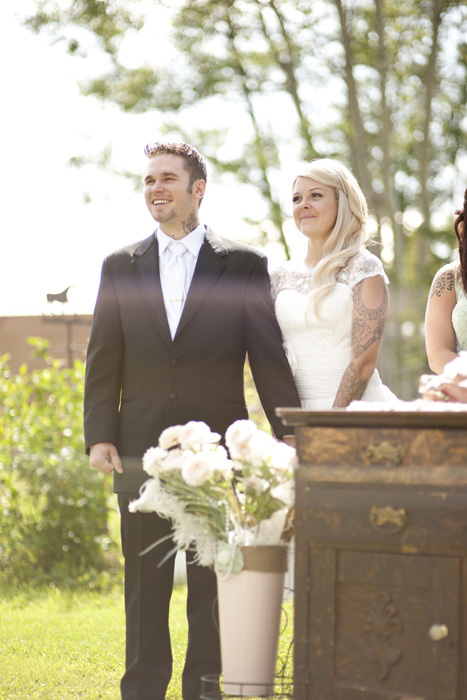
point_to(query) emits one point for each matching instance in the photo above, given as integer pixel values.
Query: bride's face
(314, 208)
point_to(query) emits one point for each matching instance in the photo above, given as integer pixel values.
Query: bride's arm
(370, 312)
(440, 338)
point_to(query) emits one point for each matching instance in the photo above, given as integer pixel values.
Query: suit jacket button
(174, 363)
(172, 395)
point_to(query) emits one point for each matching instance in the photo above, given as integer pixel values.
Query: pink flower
(198, 469)
(238, 436)
(222, 463)
(256, 483)
(175, 458)
(283, 456)
(259, 449)
(195, 434)
(170, 437)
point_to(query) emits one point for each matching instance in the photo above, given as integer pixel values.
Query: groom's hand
(104, 456)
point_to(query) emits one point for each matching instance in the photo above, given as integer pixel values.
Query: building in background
(68, 337)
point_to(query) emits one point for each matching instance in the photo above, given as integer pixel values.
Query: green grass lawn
(64, 645)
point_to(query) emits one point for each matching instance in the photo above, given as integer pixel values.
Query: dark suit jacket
(140, 381)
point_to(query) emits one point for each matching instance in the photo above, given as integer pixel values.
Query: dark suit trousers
(148, 589)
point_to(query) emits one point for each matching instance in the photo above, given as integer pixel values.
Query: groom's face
(169, 195)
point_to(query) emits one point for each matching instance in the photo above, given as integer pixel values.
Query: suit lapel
(211, 262)
(146, 263)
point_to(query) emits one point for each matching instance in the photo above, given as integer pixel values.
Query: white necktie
(174, 278)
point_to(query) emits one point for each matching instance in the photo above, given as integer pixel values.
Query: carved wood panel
(380, 610)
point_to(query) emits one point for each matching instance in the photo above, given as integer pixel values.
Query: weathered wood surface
(384, 455)
(443, 420)
(381, 558)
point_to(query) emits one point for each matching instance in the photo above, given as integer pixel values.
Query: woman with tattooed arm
(333, 306)
(446, 310)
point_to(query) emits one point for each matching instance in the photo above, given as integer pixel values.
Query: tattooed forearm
(350, 389)
(368, 324)
(367, 330)
(190, 223)
(444, 283)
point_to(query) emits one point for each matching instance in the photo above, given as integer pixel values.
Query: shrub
(54, 507)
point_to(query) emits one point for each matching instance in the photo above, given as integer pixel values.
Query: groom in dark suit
(175, 317)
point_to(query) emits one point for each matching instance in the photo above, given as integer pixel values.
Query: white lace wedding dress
(319, 350)
(459, 314)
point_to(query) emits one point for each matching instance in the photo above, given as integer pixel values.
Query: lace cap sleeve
(362, 265)
(277, 276)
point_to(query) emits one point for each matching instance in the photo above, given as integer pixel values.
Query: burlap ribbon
(272, 559)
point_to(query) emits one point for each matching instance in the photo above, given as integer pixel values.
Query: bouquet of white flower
(219, 503)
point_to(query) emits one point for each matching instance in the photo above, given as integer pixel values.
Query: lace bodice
(459, 314)
(318, 347)
(297, 276)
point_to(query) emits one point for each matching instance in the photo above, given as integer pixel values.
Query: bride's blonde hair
(349, 234)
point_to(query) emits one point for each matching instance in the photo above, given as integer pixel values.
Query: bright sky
(50, 239)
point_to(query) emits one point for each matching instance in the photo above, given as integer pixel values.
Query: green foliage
(255, 410)
(54, 508)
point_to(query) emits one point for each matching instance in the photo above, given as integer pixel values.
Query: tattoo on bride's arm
(351, 388)
(444, 283)
(368, 327)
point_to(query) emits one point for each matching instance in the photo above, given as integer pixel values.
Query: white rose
(197, 469)
(153, 459)
(195, 434)
(256, 483)
(222, 463)
(260, 449)
(170, 437)
(175, 459)
(238, 436)
(283, 456)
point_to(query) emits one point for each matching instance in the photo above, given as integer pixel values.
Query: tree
(377, 83)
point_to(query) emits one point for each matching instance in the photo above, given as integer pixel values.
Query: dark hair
(460, 227)
(193, 160)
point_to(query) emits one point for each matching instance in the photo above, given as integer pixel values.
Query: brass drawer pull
(388, 519)
(438, 632)
(386, 453)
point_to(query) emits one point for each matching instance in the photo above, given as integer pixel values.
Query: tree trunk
(357, 136)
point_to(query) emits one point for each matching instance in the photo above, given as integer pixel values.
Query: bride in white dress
(446, 309)
(333, 306)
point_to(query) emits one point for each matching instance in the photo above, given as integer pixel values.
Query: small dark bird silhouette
(62, 297)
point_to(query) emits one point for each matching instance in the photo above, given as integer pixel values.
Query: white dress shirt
(193, 242)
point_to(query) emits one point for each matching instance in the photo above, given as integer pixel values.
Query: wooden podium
(381, 555)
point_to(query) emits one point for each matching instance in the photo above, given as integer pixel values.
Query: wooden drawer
(397, 520)
(384, 455)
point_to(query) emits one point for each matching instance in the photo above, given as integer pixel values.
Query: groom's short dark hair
(194, 161)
